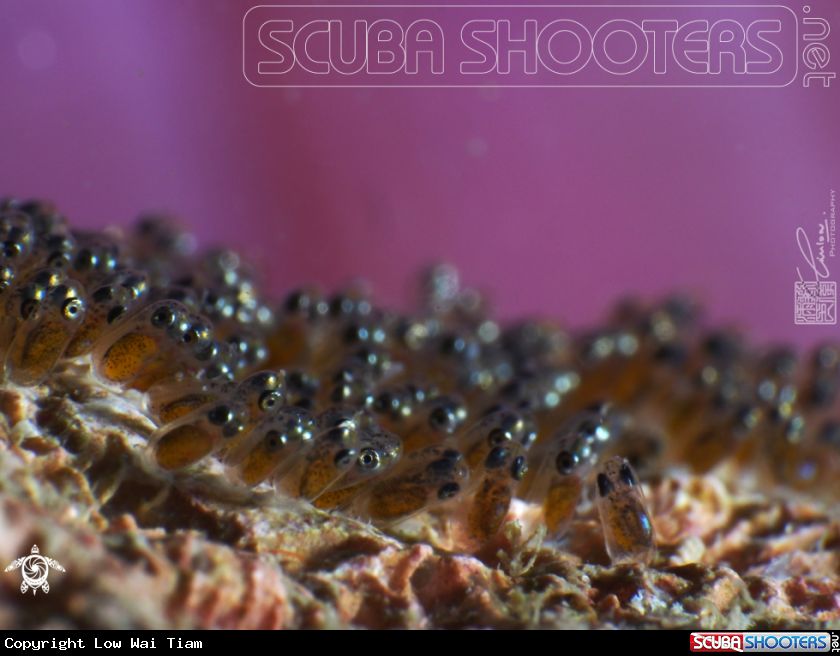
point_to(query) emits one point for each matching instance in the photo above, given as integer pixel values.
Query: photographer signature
(817, 264)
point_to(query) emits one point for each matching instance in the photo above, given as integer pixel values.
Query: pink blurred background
(557, 201)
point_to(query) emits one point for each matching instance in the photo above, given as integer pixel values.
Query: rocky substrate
(145, 549)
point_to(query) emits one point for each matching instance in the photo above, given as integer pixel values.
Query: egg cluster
(385, 416)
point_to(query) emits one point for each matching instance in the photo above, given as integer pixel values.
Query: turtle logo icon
(35, 568)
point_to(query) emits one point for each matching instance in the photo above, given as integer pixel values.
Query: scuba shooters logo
(789, 641)
(35, 569)
(527, 46)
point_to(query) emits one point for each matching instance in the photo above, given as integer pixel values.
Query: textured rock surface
(144, 549)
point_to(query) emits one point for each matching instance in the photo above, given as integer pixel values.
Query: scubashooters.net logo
(788, 642)
(535, 46)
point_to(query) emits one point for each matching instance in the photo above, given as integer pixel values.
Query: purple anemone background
(556, 201)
